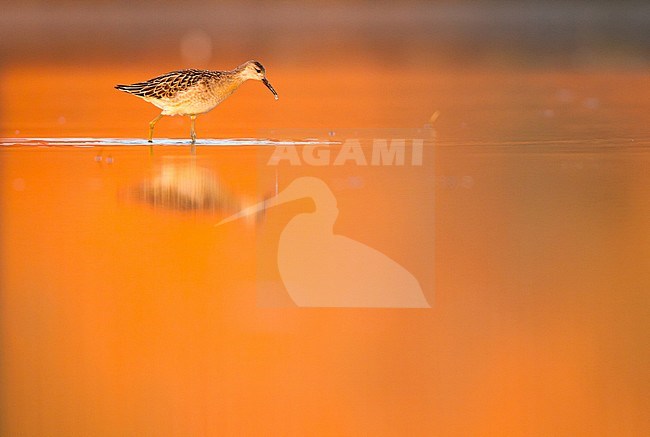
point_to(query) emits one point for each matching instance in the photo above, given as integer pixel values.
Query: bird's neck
(227, 84)
(239, 74)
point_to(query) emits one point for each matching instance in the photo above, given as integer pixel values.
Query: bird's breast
(196, 100)
(221, 90)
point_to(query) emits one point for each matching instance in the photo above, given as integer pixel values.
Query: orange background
(119, 317)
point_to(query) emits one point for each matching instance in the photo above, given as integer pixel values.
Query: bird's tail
(131, 89)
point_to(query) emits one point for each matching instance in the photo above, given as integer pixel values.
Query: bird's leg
(192, 132)
(152, 123)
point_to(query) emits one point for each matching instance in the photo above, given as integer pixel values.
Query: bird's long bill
(268, 85)
(280, 198)
(245, 212)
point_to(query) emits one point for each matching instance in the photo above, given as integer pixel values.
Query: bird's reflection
(186, 186)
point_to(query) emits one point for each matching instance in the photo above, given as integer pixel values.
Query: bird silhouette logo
(322, 269)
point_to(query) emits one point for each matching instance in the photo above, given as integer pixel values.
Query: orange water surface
(124, 310)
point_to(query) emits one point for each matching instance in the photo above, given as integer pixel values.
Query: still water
(127, 308)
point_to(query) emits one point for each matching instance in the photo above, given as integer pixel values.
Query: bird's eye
(259, 71)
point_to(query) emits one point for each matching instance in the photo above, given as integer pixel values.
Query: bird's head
(254, 70)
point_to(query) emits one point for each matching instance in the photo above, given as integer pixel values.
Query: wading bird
(193, 92)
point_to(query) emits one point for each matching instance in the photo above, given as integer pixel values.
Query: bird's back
(168, 85)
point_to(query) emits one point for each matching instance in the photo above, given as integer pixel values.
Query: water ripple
(161, 142)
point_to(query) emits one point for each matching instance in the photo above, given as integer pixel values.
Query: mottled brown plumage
(167, 85)
(193, 92)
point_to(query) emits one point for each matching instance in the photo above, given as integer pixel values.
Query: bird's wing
(166, 85)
